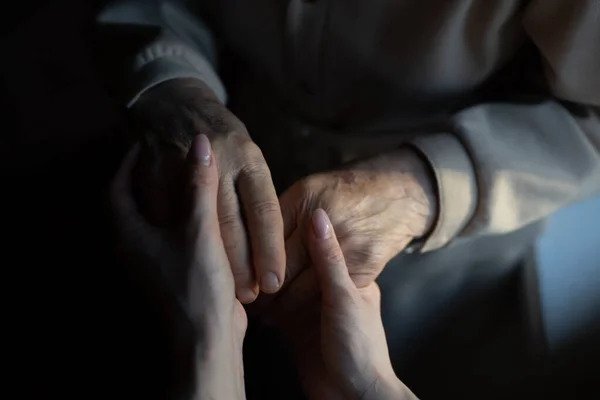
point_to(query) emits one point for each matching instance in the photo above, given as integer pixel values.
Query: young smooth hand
(188, 273)
(346, 357)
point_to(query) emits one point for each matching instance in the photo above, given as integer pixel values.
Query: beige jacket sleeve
(508, 165)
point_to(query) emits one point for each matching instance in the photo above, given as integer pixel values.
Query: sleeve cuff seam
(457, 202)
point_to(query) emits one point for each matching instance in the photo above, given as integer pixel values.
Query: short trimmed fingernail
(321, 224)
(269, 282)
(202, 149)
(246, 295)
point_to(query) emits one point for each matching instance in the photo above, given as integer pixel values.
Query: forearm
(213, 312)
(218, 373)
(213, 363)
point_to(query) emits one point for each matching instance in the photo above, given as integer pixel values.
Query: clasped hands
(231, 236)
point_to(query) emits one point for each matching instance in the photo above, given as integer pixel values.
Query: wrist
(388, 387)
(185, 106)
(410, 170)
(219, 368)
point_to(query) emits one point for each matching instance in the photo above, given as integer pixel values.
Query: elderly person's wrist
(407, 169)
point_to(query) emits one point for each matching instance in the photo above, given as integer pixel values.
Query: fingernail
(202, 149)
(321, 224)
(269, 282)
(246, 295)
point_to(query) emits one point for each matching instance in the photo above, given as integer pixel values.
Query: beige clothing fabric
(501, 96)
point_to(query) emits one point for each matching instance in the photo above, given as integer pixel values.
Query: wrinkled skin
(377, 206)
(165, 120)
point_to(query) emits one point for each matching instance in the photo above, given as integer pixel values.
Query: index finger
(264, 223)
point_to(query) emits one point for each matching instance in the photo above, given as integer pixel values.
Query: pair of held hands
(377, 206)
(189, 264)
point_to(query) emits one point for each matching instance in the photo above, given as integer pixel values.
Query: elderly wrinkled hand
(377, 206)
(167, 117)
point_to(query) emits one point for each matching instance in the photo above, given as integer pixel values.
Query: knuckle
(239, 130)
(219, 118)
(222, 120)
(266, 208)
(256, 168)
(247, 146)
(233, 135)
(229, 221)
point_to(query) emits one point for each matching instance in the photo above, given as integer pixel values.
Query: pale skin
(190, 263)
(348, 357)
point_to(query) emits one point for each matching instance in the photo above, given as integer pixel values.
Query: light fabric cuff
(456, 184)
(163, 61)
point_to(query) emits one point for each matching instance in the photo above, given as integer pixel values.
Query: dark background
(75, 326)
